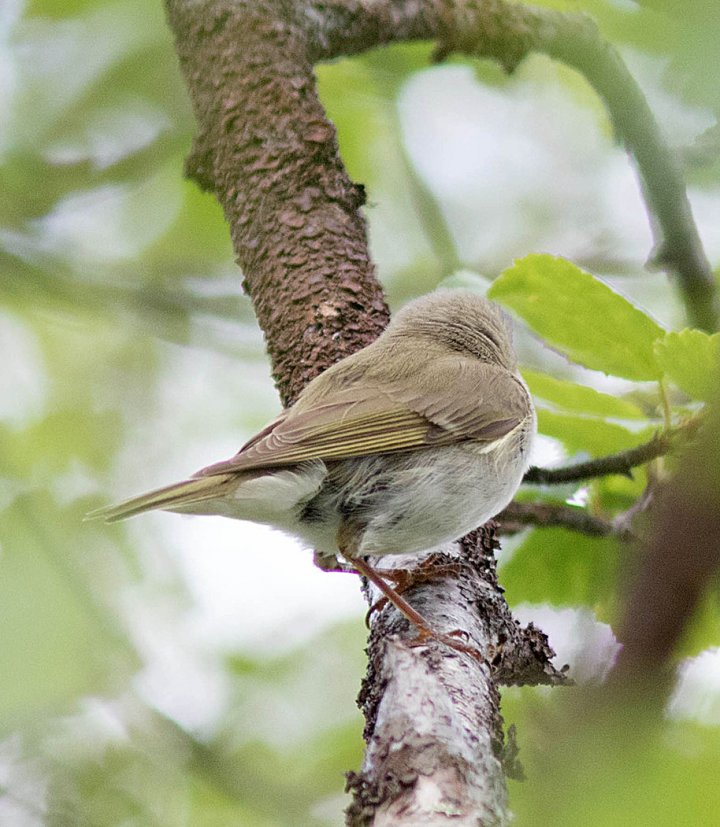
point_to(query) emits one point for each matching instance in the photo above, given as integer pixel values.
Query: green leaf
(593, 436)
(691, 359)
(562, 567)
(580, 316)
(579, 398)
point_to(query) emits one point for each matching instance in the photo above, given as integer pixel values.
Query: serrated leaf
(592, 436)
(579, 398)
(691, 359)
(581, 316)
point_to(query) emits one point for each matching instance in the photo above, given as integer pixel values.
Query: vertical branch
(680, 559)
(436, 750)
(266, 150)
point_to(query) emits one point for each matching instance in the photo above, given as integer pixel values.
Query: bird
(406, 444)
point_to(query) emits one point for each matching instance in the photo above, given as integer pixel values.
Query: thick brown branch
(267, 151)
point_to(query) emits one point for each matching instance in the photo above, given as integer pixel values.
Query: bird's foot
(425, 632)
(404, 579)
(329, 562)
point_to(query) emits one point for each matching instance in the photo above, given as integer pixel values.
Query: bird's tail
(181, 496)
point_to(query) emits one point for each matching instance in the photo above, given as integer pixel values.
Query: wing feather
(448, 400)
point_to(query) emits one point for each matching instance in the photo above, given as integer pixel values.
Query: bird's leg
(425, 632)
(403, 579)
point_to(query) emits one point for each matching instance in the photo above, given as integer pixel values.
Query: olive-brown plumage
(408, 443)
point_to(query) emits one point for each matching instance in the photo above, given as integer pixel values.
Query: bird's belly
(433, 513)
(414, 502)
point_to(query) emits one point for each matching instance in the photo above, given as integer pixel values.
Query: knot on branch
(525, 659)
(199, 165)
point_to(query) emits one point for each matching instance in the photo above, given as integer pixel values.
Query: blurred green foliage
(125, 335)
(690, 358)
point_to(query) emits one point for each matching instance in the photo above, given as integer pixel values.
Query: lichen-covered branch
(434, 729)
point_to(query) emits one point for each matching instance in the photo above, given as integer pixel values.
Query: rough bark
(266, 150)
(436, 752)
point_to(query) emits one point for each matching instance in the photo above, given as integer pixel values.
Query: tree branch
(680, 558)
(518, 516)
(507, 32)
(620, 463)
(267, 151)
(434, 729)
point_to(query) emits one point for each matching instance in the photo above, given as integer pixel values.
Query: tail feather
(178, 495)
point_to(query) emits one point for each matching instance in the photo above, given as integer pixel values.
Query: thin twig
(623, 522)
(678, 245)
(518, 516)
(620, 463)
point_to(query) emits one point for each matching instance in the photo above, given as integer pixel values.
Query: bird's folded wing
(449, 401)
